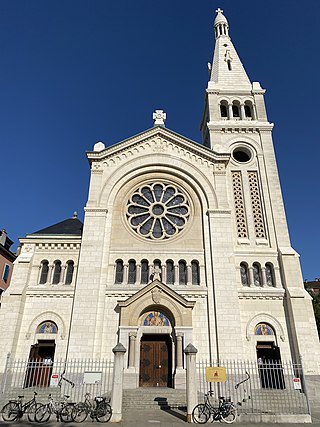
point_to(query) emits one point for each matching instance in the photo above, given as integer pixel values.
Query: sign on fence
(54, 380)
(297, 383)
(216, 374)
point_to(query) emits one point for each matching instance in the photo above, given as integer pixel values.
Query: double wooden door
(155, 361)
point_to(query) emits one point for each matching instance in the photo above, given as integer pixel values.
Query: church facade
(181, 243)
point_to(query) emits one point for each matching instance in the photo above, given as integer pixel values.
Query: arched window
(47, 327)
(132, 270)
(119, 271)
(270, 275)
(256, 274)
(182, 273)
(144, 272)
(235, 111)
(44, 272)
(248, 111)
(56, 273)
(170, 272)
(244, 274)
(223, 110)
(195, 272)
(69, 272)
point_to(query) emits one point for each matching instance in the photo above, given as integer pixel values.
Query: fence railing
(73, 377)
(266, 388)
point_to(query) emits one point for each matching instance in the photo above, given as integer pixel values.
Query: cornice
(261, 293)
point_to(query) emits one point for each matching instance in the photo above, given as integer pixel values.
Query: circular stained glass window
(158, 211)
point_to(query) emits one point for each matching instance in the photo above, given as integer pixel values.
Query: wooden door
(154, 363)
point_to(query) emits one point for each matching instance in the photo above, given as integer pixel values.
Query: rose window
(158, 211)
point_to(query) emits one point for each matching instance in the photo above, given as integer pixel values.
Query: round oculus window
(158, 211)
(242, 154)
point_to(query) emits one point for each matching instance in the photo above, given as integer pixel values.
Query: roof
(70, 227)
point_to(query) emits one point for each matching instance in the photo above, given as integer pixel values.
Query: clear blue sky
(74, 72)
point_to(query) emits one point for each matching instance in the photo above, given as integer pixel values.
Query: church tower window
(257, 274)
(269, 275)
(119, 271)
(56, 273)
(244, 274)
(144, 272)
(132, 270)
(69, 273)
(195, 273)
(235, 111)
(223, 110)
(44, 272)
(182, 273)
(170, 272)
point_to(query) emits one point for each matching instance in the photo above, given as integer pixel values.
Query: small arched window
(182, 273)
(248, 111)
(195, 272)
(47, 327)
(270, 275)
(235, 111)
(69, 272)
(244, 274)
(144, 272)
(56, 273)
(119, 271)
(132, 272)
(256, 274)
(223, 110)
(44, 272)
(170, 272)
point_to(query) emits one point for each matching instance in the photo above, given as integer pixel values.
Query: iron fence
(73, 378)
(266, 388)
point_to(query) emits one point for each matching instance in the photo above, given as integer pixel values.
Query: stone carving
(256, 205)
(239, 205)
(156, 295)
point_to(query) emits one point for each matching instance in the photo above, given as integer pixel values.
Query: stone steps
(162, 398)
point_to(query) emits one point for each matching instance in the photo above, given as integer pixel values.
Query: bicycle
(98, 408)
(62, 410)
(15, 409)
(225, 411)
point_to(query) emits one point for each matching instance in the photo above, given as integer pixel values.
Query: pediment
(157, 290)
(157, 140)
(158, 297)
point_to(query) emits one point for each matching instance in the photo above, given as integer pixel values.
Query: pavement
(154, 418)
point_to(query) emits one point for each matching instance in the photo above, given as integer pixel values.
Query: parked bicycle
(62, 410)
(15, 409)
(97, 408)
(225, 411)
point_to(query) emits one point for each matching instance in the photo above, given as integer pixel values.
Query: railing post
(5, 374)
(192, 393)
(117, 385)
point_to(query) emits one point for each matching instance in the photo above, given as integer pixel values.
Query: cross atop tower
(159, 117)
(219, 10)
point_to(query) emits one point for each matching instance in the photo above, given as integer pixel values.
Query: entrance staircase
(155, 398)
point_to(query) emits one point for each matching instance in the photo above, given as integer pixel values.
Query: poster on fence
(92, 377)
(54, 380)
(297, 383)
(216, 374)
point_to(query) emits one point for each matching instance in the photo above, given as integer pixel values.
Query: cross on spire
(219, 10)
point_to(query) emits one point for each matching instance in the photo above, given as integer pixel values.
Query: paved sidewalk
(152, 418)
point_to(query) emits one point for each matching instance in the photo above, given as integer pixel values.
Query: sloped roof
(70, 227)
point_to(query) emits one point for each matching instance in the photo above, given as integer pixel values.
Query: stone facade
(179, 239)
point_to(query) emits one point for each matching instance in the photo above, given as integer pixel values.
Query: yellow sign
(216, 374)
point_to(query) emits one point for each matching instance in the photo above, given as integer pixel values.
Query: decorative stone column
(192, 395)
(242, 112)
(189, 275)
(230, 112)
(138, 274)
(176, 275)
(263, 276)
(251, 277)
(163, 273)
(125, 274)
(132, 349)
(117, 385)
(179, 352)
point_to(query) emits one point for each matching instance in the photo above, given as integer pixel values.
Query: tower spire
(227, 69)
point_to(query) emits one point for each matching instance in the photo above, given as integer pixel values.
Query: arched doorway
(155, 361)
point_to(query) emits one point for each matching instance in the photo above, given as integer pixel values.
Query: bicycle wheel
(200, 414)
(31, 411)
(79, 412)
(228, 413)
(103, 412)
(42, 414)
(10, 411)
(66, 413)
